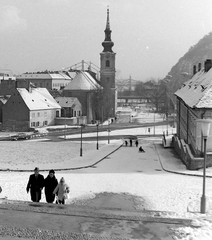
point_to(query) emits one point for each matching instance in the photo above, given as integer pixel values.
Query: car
(19, 136)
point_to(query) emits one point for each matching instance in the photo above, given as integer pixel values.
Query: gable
(68, 101)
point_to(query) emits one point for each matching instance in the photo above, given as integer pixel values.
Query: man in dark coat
(35, 184)
(50, 184)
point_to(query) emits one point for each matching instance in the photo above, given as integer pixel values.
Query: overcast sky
(149, 35)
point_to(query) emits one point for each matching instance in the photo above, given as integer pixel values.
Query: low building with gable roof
(70, 106)
(29, 108)
(71, 110)
(194, 101)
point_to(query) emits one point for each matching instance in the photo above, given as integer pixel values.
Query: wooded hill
(183, 70)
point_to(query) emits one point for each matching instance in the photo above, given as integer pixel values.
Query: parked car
(19, 136)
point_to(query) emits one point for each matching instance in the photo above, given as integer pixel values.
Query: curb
(64, 169)
(174, 172)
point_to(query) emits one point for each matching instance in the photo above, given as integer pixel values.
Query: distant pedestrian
(130, 142)
(50, 183)
(136, 143)
(141, 149)
(35, 184)
(126, 143)
(0, 189)
(61, 191)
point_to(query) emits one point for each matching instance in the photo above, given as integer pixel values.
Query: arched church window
(107, 63)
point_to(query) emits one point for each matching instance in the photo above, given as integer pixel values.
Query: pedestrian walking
(50, 183)
(130, 142)
(35, 185)
(136, 143)
(126, 143)
(61, 191)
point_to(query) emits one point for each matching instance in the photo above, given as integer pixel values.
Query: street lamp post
(64, 111)
(205, 129)
(154, 123)
(65, 124)
(108, 129)
(97, 131)
(167, 80)
(81, 141)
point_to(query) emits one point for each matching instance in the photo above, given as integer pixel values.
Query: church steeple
(107, 44)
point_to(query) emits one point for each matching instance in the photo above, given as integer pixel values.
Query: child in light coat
(61, 191)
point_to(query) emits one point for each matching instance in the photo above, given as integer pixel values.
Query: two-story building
(194, 101)
(29, 108)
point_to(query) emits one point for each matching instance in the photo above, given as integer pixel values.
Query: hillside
(198, 53)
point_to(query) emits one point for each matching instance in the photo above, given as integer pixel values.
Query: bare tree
(101, 104)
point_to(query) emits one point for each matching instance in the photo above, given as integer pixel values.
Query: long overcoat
(35, 184)
(50, 184)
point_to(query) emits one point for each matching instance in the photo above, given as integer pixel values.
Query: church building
(107, 69)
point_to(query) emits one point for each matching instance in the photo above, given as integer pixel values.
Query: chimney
(208, 65)
(194, 69)
(199, 67)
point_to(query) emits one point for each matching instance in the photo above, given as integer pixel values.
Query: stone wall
(192, 162)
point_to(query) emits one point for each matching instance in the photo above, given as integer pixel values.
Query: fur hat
(51, 171)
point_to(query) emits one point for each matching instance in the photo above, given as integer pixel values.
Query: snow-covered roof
(67, 101)
(38, 98)
(71, 74)
(83, 81)
(197, 91)
(51, 76)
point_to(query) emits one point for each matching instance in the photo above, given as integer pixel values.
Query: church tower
(107, 68)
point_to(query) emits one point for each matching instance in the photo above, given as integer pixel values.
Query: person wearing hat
(50, 183)
(62, 191)
(35, 184)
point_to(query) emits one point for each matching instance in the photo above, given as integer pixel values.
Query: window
(33, 115)
(45, 123)
(33, 124)
(45, 114)
(107, 63)
(38, 114)
(37, 124)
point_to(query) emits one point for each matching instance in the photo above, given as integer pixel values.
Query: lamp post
(81, 141)
(205, 129)
(97, 131)
(154, 123)
(65, 124)
(108, 129)
(167, 81)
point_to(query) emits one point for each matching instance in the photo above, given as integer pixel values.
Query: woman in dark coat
(35, 184)
(50, 184)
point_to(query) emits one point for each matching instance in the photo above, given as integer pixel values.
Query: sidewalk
(171, 163)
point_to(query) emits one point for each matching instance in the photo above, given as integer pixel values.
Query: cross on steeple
(107, 44)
